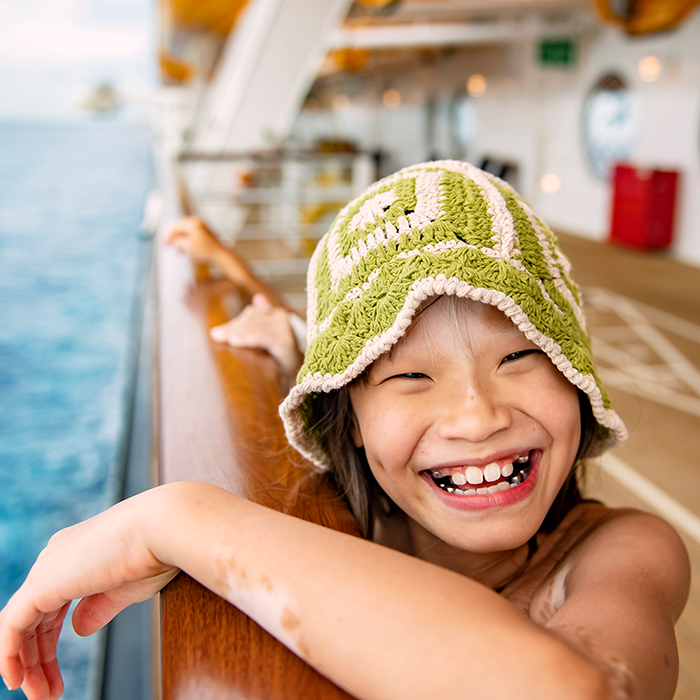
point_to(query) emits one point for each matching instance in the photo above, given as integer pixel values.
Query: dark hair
(332, 422)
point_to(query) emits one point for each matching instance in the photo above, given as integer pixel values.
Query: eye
(518, 355)
(409, 375)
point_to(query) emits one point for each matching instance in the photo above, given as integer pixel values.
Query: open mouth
(480, 481)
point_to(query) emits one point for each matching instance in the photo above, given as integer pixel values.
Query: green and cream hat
(444, 227)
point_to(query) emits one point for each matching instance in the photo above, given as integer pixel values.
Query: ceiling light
(476, 85)
(391, 98)
(550, 183)
(649, 68)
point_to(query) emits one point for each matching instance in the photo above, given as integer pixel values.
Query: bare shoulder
(638, 551)
(624, 588)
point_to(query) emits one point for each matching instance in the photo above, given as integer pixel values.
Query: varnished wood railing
(218, 423)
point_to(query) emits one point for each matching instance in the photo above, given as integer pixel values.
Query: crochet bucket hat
(437, 228)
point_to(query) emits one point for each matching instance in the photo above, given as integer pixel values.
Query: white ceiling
(434, 23)
(487, 4)
(463, 10)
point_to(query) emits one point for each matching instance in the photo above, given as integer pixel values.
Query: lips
(497, 483)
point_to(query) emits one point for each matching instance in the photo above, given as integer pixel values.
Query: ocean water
(71, 269)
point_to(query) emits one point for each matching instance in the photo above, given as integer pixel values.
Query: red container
(643, 207)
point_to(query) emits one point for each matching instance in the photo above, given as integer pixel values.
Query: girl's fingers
(78, 561)
(177, 235)
(34, 684)
(261, 325)
(241, 331)
(52, 673)
(48, 633)
(94, 612)
(182, 240)
(183, 244)
(36, 654)
(43, 681)
(220, 333)
(260, 300)
(173, 235)
(10, 664)
(29, 651)
(28, 654)
(12, 672)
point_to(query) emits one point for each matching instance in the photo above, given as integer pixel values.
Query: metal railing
(286, 198)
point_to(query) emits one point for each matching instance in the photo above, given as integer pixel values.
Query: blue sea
(72, 266)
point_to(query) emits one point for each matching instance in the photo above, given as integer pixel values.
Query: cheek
(356, 432)
(382, 433)
(553, 402)
(564, 415)
(386, 436)
(359, 409)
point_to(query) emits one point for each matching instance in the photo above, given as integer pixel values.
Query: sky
(51, 49)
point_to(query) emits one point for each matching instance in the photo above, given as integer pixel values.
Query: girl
(449, 384)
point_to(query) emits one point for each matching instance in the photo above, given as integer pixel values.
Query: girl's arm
(265, 323)
(193, 236)
(379, 623)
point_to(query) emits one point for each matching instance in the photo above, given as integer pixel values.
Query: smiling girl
(449, 385)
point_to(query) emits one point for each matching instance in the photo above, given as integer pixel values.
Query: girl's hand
(106, 562)
(261, 325)
(191, 235)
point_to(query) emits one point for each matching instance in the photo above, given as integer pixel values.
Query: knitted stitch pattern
(444, 227)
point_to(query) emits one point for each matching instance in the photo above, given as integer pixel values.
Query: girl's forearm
(238, 271)
(377, 622)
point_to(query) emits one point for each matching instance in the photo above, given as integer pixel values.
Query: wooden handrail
(218, 423)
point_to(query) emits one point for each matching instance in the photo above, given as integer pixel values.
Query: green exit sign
(557, 52)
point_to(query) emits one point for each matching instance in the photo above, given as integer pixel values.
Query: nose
(472, 412)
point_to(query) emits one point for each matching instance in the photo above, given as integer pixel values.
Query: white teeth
(474, 475)
(492, 472)
(494, 488)
(465, 492)
(458, 478)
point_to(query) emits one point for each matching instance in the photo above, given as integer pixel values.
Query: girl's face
(468, 426)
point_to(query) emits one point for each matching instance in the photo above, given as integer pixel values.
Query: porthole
(609, 125)
(465, 121)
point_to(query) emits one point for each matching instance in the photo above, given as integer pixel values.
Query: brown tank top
(554, 548)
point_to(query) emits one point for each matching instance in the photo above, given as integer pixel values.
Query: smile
(480, 481)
